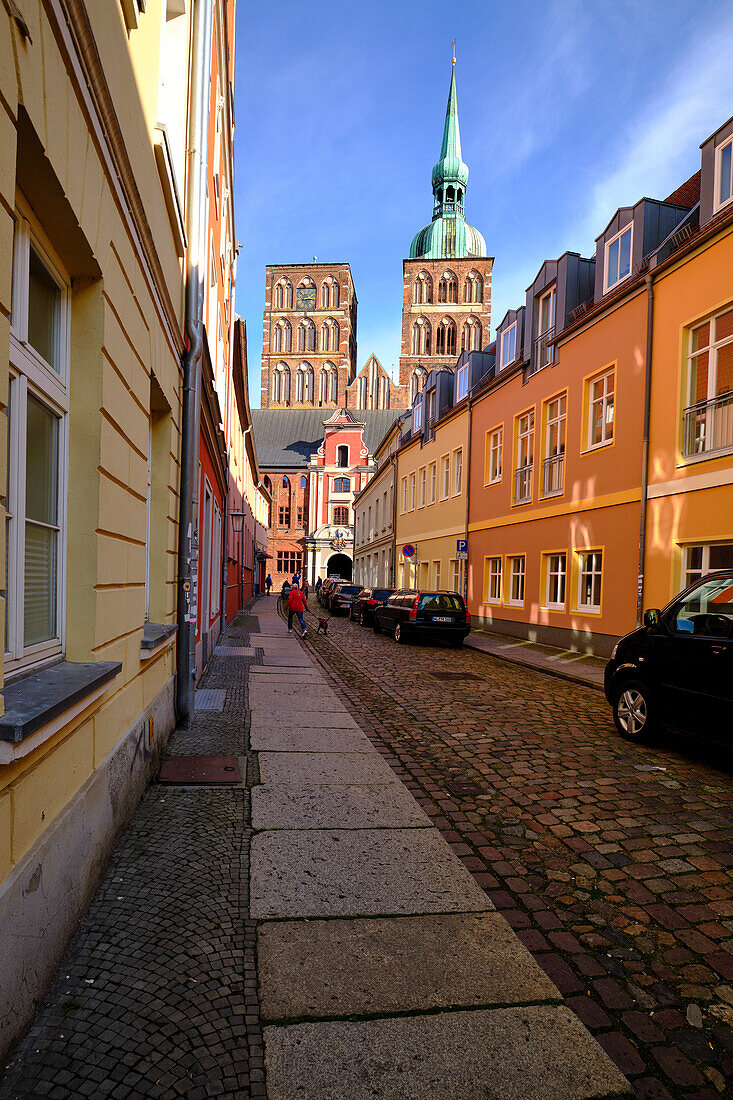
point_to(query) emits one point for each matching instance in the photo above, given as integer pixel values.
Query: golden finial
(453, 45)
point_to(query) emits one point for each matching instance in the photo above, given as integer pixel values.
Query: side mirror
(652, 617)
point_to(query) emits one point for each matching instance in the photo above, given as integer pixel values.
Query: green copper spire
(449, 235)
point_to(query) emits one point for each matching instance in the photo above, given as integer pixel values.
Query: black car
(363, 605)
(677, 669)
(326, 588)
(412, 614)
(341, 595)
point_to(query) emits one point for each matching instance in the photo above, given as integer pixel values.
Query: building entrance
(339, 565)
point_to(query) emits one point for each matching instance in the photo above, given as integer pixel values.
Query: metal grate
(462, 789)
(202, 771)
(234, 651)
(209, 699)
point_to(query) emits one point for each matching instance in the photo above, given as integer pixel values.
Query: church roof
(451, 167)
(448, 236)
(288, 437)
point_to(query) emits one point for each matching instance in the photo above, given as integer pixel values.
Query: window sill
(704, 456)
(156, 638)
(597, 447)
(39, 705)
(514, 603)
(586, 610)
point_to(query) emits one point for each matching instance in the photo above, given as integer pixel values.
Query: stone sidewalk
(579, 667)
(383, 968)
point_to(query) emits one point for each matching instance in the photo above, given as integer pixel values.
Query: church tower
(446, 306)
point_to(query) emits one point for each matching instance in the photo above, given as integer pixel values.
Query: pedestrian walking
(305, 589)
(296, 578)
(319, 582)
(284, 593)
(296, 605)
(268, 583)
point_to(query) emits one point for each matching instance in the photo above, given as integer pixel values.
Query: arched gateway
(339, 565)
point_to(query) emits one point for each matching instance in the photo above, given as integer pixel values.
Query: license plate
(442, 619)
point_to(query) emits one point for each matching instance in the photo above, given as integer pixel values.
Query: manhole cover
(462, 789)
(454, 676)
(205, 771)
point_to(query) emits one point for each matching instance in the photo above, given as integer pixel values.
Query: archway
(339, 565)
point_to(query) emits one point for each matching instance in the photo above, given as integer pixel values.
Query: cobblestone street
(613, 863)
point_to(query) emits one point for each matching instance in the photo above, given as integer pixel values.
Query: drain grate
(454, 676)
(204, 771)
(234, 651)
(463, 789)
(209, 699)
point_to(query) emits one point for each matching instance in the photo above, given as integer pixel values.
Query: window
(281, 337)
(412, 492)
(283, 517)
(590, 570)
(342, 456)
(436, 576)
(432, 482)
(403, 508)
(525, 458)
(444, 477)
(708, 418)
(216, 563)
(342, 485)
(417, 416)
(445, 340)
(516, 580)
(385, 512)
(462, 382)
(556, 573)
(304, 482)
(431, 407)
(423, 487)
(492, 580)
(306, 336)
(304, 384)
(471, 335)
(600, 410)
(288, 562)
(36, 451)
(300, 515)
(281, 384)
(473, 289)
(508, 345)
(724, 174)
(544, 348)
(417, 381)
(553, 466)
(618, 258)
(423, 291)
(448, 288)
(494, 454)
(457, 472)
(341, 516)
(702, 559)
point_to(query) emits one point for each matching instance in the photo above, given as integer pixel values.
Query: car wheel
(633, 712)
(399, 634)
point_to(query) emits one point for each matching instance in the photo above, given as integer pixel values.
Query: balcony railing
(553, 470)
(708, 426)
(523, 484)
(543, 351)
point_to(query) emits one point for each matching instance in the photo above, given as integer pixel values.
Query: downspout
(393, 570)
(195, 199)
(468, 497)
(649, 280)
(225, 558)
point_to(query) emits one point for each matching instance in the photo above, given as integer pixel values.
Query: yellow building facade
(93, 109)
(431, 485)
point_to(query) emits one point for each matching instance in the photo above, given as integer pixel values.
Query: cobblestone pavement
(157, 996)
(613, 863)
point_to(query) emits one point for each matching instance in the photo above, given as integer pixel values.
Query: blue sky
(567, 109)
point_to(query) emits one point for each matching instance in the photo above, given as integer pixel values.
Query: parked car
(677, 669)
(411, 614)
(341, 595)
(363, 605)
(326, 588)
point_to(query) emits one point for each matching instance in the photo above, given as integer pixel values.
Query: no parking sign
(409, 551)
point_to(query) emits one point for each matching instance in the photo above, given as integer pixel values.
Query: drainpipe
(195, 201)
(393, 567)
(649, 279)
(468, 496)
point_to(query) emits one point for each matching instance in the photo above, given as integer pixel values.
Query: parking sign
(461, 548)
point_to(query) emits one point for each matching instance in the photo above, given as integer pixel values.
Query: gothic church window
(445, 340)
(471, 337)
(448, 288)
(306, 336)
(284, 294)
(281, 384)
(423, 289)
(473, 290)
(304, 383)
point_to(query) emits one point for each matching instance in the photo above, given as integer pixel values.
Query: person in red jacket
(296, 605)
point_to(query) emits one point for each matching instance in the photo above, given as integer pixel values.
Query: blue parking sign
(462, 546)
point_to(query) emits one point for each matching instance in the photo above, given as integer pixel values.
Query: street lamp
(237, 519)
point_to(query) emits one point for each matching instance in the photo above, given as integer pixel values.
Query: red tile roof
(687, 194)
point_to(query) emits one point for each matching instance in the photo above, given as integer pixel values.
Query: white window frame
(404, 496)
(417, 417)
(553, 561)
(444, 477)
(719, 204)
(436, 575)
(462, 382)
(518, 574)
(496, 455)
(606, 438)
(216, 544)
(494, 580)
(549, 296)
(607, 284)
(692, 575)
(458, 472)
(505, 361)
(455, 575)
(595, 570)
(705, 443)
(413, 480)
(423, 490)
(30, 374)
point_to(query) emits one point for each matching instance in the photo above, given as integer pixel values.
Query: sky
(568, 109)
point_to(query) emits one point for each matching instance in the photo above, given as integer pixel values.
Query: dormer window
(508, 345)
(417, 416)
(724, 174)
(618, 258)
(462, 382)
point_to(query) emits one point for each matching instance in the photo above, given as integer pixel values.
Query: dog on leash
(322, 626)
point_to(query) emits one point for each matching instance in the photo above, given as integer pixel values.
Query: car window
(348, 589)
(440, 601)
(380, 593)
(707, 610)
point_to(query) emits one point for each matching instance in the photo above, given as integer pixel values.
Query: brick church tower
(308, 336)
(446, 305)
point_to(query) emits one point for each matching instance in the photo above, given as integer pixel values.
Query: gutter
(649, 280)
(191, 361)
(468, 497)
(393, 564)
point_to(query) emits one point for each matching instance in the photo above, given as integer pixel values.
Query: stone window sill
(40, 704)
(156, 638)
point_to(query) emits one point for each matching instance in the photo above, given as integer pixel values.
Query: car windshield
(348, 589)
(708, 609)
(381, 593)
(440, 601)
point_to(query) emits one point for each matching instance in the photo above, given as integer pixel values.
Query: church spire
(450, 174)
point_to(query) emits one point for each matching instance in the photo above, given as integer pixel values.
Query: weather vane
(453, 46)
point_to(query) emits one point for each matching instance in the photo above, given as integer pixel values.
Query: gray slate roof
(288, 437)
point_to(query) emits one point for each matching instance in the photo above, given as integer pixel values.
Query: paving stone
(512, 1053)
(325, 806)
(285, 661)
(368, 872)
(398, 964)
(296, 768)
(310, 739)
(262, 721)
(293, 704)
